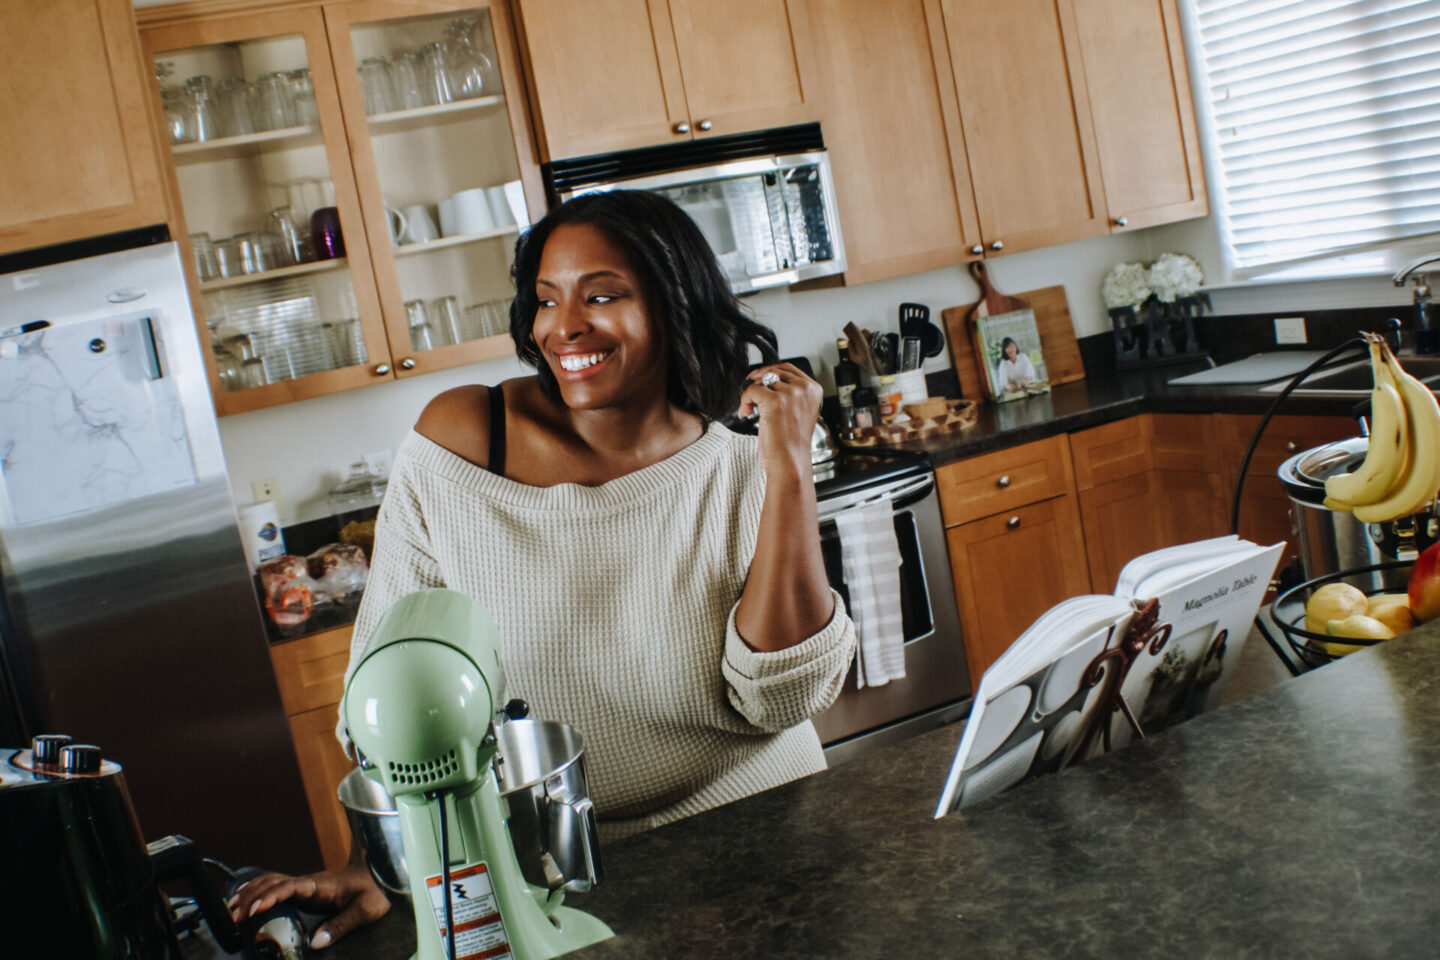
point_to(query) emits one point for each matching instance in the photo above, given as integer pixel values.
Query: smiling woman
(657, 579)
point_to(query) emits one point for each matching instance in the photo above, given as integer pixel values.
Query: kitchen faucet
(1427, 339)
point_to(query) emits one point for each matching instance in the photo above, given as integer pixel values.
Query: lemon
(1356, 626)
(1395, 614)
(1334, 601)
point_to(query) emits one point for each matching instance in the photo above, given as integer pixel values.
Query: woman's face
(1011, 351)
(593, 327)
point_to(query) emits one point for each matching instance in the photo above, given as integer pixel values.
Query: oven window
(914, 599)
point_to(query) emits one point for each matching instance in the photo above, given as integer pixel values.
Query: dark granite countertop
(1298, 823)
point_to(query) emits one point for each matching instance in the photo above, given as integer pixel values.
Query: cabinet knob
(1122, 221)
(704, 124)
(681, 127)
(1290, 445)
(1012, 523)
(977, 249)
(382, 369)
(408, 363)
(1003, 482)
(998, 245)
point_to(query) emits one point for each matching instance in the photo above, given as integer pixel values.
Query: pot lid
(1305, 473)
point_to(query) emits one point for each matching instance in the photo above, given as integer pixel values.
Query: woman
(1016, 371)
(657, 579)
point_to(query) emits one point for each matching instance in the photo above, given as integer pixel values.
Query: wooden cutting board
(1052, 319)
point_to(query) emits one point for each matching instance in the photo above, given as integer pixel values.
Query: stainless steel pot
(541, 772)
(1333, 541)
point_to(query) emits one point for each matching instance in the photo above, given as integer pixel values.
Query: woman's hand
(350, 891)
(789, 408)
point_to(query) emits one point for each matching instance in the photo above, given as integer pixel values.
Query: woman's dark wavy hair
(708, 335)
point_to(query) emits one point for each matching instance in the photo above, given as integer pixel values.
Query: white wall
(307, 445)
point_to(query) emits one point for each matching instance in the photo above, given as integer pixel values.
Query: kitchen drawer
(1185, 441)
(311, 671)
(1283, 438)
(995, 482)
(1113, 451)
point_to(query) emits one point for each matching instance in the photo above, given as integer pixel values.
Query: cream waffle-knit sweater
(616, 607)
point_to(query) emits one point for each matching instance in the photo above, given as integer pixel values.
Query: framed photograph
(1007, 348)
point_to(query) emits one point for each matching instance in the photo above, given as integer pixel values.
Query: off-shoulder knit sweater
(616, 607)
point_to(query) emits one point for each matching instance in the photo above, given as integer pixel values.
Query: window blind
(1325, 120)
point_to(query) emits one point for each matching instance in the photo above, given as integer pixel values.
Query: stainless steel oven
(936, 687)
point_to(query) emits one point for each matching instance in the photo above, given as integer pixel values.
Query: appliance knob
(408, 363)
(681, 127)
(517, 709)
(1122, 221)
(1012, 523)
(47, 746)
(977, 249)
(382, 369)
(705, 124)
(998, 245)
(80, 758)
(1003, 481)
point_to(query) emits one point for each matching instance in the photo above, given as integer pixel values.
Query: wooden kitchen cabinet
(1144, 116)
(1025, 108)
(327, 323)
(621, 74)
(80, 156)
(898, 218)
(310, 673)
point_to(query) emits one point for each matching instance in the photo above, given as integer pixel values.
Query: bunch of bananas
(1401, 470)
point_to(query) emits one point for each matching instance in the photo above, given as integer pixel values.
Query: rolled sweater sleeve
(776, 690)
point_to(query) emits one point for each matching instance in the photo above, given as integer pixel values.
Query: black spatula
(915, 322)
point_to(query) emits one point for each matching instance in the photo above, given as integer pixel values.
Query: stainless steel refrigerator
(128, 617)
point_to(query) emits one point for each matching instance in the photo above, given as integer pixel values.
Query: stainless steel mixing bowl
(552, 821)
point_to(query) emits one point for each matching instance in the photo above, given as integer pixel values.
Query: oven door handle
(921, 485)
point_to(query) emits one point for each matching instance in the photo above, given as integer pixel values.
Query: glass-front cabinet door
(276, 236)
(433, 96)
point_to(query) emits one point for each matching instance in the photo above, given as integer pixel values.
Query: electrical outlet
(267, 489)
(1290, 330)
(379, 462)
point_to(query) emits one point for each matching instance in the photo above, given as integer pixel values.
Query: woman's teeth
(573, 362)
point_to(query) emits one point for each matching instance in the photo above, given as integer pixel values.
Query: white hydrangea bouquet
(1162, 298)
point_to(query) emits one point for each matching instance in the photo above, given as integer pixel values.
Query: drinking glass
(204, 252)
(175, 103)
(289, 247)
(445, 321)
(405, 74)
(249, 252)
(274, 102)
(469, 66)
(422, 334)
(227, 257)
(375, 84)
(302, 90)
(236, 118)
(497, 317)
(204, 115)
(437, 74)
(347, 341)
(253, 372)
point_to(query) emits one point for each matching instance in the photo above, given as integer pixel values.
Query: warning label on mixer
(479, 931)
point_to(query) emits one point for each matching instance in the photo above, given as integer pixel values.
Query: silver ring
(770, 379)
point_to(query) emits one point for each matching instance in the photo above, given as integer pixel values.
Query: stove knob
(80, 758)
(47, 746)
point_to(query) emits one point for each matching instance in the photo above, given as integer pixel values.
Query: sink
(1355, 380)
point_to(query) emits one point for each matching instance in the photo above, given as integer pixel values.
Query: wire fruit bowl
(1288, 612)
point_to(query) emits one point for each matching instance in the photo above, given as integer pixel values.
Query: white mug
(499, 206)
(396, 221)
(447, 217)
(419, 228)
(471, 211)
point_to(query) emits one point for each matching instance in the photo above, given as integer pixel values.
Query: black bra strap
(496, 462)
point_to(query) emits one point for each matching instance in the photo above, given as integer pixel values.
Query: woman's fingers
(261, 893)
(364, 904)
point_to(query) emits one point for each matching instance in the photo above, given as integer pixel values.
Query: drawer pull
(1003, 482)
(1012, 523)
(1290, 445)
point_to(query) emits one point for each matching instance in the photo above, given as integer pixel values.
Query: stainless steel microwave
(764, 200)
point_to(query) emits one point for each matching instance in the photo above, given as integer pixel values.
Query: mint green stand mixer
(423, 708)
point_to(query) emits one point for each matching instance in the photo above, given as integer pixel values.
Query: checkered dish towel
(870, 559)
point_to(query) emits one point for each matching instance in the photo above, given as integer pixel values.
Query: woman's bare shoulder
(459, 421)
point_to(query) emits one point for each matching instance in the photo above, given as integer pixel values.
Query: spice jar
(888, 397)
(865, 410)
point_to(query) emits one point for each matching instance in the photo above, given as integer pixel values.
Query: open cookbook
(1095, 671)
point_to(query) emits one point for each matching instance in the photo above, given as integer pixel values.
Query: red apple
(1425, 585)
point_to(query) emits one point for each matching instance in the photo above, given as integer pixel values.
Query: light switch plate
(1290, 330)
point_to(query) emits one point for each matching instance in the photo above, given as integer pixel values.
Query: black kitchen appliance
(77, 879)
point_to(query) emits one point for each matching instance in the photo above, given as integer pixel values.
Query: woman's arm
(787, 597)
